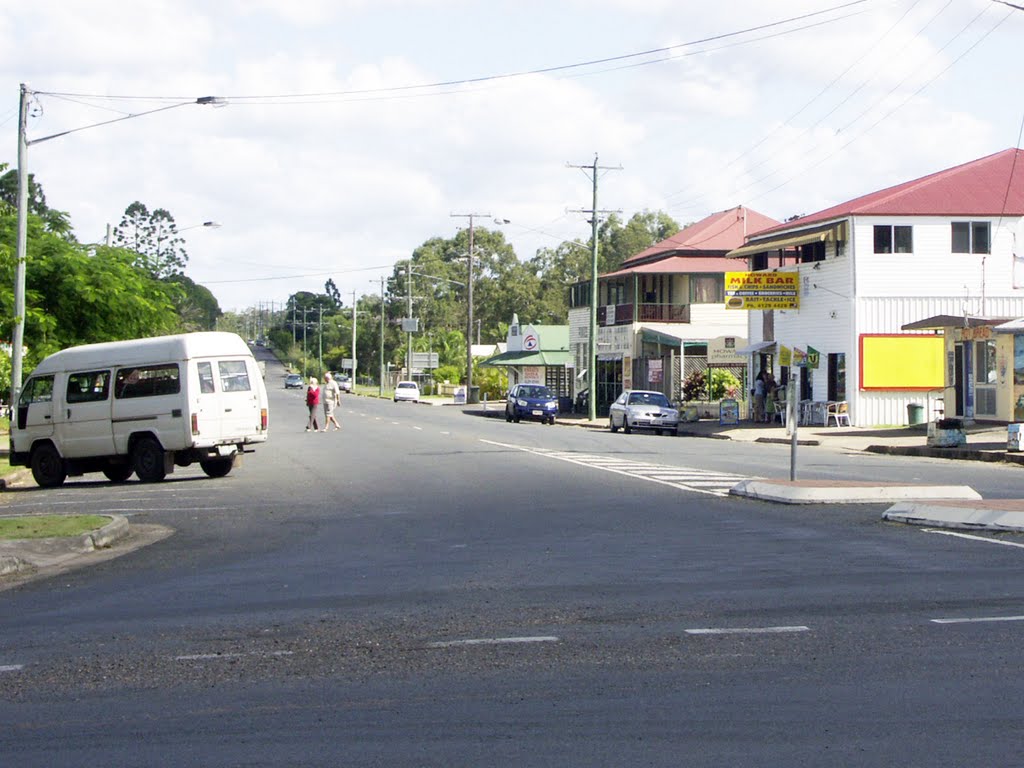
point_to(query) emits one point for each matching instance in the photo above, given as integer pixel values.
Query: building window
(894, 239)
(707, 289)
(985, 355)
(971, 237)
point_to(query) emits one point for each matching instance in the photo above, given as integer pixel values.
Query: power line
(485, 78)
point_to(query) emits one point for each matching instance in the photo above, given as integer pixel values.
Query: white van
(141, 406)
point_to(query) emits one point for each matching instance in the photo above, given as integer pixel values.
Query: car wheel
(48, 467)
(516, 418)
(659, 432)
(551, 421)
(118, 473)
(216, 467)
(611, 424)
(625, 425)
(508, 416)
(148, 458)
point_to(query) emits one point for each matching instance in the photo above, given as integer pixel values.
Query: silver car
(643, 409)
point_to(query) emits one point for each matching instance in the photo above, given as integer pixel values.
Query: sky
(355, 130)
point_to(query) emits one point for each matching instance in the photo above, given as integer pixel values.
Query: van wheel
(48, 468)
(118, 473)
(148, 460)
(216, 467)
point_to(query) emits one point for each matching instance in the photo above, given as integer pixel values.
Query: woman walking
(331, 395)
(313, 403)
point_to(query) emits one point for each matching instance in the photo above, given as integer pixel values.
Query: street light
(18, 336)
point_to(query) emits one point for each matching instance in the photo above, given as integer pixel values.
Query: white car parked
(643, 409)
(407, 390)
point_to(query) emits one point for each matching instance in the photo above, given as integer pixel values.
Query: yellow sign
(785, 356)
(762, 290)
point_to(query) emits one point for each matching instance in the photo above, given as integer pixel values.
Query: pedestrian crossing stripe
(686, 478)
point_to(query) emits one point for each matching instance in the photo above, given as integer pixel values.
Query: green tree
(154, 237)
(197, 307)
(53, 220)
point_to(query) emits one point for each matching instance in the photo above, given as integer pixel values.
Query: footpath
(945, 506)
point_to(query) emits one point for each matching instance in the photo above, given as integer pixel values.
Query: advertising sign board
(762, 290)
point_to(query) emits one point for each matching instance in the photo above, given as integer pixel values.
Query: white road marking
(12, 667)
(977, 620)
(493, 641)
(215, 656)
(746, 630)
(685, 478)
(972, 537)
(419, 428)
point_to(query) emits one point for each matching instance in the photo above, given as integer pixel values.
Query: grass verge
(47, 526)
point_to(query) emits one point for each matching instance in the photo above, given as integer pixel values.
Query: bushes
(723, 384)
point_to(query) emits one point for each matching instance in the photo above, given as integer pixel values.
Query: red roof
(991, 186)
(678, 264)
(719, 233)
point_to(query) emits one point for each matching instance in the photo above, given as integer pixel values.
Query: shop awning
(951, 321)
(761, 346)
(836, 232)
(653, 336)
(543, 357)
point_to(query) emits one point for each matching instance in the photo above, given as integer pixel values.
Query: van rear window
(147, 381)
(234, 376)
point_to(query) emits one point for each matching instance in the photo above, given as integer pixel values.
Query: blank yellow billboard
(901, 361)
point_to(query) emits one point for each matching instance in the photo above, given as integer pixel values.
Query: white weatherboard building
(948, 244)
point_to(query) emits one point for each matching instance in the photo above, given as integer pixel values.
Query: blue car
(531, 401)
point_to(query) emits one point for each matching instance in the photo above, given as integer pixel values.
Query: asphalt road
(428, 587)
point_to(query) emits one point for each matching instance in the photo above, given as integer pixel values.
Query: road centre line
(12, 667)
(229, 655)
(493, 641)
(746, 630)
(973, 537)
(978, 620)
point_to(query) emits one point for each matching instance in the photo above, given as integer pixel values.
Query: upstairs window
(707, 289)
(971, 237)
(894, 239)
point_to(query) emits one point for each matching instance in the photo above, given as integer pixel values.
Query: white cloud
(340, 183)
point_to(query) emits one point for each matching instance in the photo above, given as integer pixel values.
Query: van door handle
(227, 410)
(69, 413)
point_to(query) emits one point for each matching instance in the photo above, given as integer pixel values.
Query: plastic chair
(839, 412)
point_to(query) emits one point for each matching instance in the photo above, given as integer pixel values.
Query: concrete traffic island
(846, 492)
(991, 515)
(22, 555)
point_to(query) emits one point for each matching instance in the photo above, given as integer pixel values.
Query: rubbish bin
(473, 396)
(915, 414)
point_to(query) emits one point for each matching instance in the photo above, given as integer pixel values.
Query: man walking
(331, 396)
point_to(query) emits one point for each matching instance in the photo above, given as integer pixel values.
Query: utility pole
(408, 315)
(305, 310)
(592, 336)
(381, 390)
(293, 320)
(320, 333)
(354, 313)
(469, 302)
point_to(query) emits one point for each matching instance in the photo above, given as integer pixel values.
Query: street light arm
(212, 100)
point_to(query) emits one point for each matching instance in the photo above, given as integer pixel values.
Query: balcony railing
(649, 313)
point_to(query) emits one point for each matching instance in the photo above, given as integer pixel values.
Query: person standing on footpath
(759, 392)
(331, 395)
(313, 403)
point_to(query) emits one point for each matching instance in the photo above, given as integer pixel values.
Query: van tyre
(48, 468)
(148, 458)
(118, 473)
(216, 467)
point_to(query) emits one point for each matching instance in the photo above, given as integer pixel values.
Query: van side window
(234, 376)
(147, 381)
(88, 387)
(37, 390)
(206, 378)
